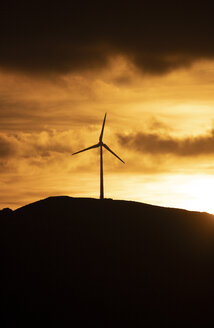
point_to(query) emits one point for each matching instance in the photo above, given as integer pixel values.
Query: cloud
(33, 145)
(69, 36)
(162, 144)
(7, 147)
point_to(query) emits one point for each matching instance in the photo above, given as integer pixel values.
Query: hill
(71, 261)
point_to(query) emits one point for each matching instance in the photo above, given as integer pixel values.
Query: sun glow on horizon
(198, 192)
(190, 192)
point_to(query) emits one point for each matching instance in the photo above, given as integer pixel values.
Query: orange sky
(160, 125)
(62, 69)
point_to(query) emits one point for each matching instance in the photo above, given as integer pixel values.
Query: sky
(150, 66)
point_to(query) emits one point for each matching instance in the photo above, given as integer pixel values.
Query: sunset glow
(160, 106)
(38, 137)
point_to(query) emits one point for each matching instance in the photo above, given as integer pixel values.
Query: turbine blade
(94, 146)
(101, 134)
(104, 145)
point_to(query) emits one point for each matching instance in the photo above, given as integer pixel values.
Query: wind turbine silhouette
(101, 145)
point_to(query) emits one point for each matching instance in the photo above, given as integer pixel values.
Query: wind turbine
(101, 145)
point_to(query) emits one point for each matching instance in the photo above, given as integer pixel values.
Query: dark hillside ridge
(5, 212)
(105, 262)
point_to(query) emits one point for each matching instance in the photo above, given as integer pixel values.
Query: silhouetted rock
(5, 212)
(109, 263)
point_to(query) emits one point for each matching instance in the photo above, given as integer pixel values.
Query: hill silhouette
(106, 262)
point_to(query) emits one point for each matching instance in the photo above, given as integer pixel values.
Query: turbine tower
(101, 145)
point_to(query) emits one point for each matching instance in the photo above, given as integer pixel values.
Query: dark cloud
(44, 144)
(66, 36)
(7, 148)
(157, 144)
